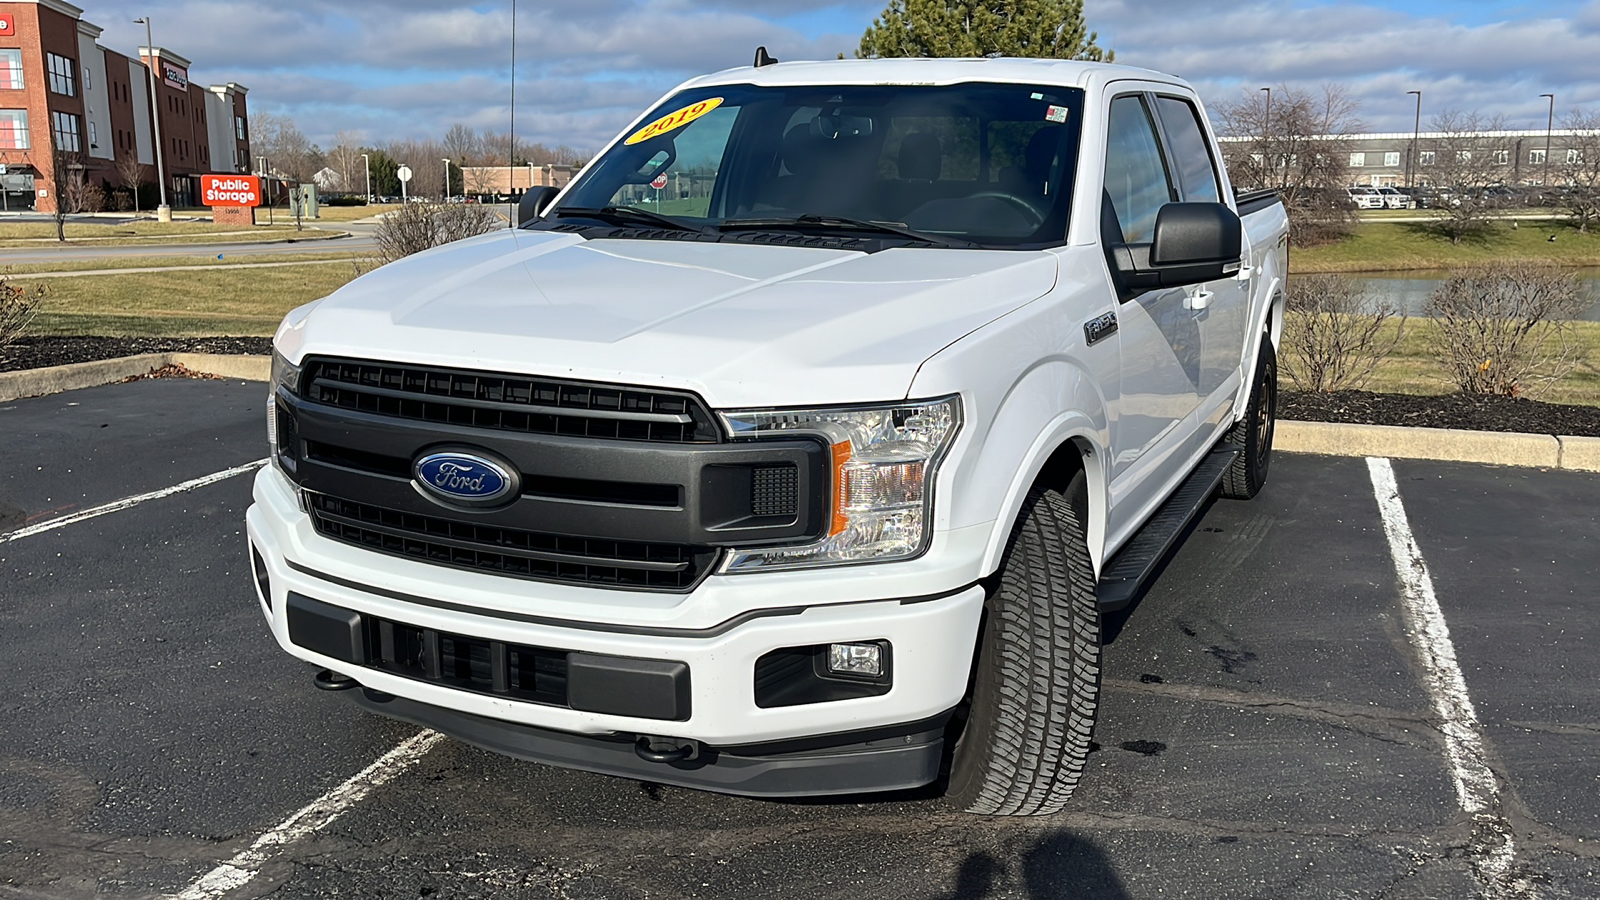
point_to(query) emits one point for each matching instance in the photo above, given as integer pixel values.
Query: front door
(1159, 334)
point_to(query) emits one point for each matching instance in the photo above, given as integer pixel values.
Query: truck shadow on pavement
(1060, 865)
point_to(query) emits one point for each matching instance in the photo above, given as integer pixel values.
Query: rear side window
(1137, 181)
(1191, 153)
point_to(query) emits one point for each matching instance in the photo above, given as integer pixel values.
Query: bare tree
(1504, 326)
(286, 148)
(345, 159)
(1297, 151)
(426, 159)
(1581, 168)
(1471, 156)
(131, 173)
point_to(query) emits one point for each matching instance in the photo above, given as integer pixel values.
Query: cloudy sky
(409, 68)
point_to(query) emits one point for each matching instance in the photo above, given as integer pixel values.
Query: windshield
(963, 164)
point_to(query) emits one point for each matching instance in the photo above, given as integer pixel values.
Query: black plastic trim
(717, 630)
(881, 759)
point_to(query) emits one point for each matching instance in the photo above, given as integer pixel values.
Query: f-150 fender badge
(1100, 328)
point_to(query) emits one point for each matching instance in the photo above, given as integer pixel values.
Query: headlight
(285, 377)
(884, 460)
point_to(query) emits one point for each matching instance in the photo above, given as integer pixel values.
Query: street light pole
(163, 212)
(1549, 123)
(1266, 129)
(1416, 133)
(367, 164)
(447, 179)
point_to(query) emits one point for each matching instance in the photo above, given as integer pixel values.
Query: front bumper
(718, 631)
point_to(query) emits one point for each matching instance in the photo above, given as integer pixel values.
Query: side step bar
(1133, 565)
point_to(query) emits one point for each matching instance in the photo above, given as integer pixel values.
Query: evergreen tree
(1043, 29)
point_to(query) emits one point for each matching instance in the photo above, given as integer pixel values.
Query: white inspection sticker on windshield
(1055, 113)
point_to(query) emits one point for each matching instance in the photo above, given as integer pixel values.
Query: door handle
(1198, 300)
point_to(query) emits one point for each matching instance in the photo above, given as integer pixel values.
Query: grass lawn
(1398, 246)
(182, 304)
(15, 270)
(1412, 369)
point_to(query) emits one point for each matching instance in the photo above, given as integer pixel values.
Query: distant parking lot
(1272, 723)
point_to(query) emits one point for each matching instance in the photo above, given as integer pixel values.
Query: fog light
(856, 659)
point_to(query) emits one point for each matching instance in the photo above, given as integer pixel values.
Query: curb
(70, 377)
(1496, 448)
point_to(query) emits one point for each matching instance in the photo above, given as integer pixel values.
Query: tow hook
(329, 680)
(665, 750)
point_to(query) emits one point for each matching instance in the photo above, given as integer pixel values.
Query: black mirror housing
(1193, 242)
(533, 202)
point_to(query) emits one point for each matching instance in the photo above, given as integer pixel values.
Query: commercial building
(1400, 159)
(505, 181)
(72, 107)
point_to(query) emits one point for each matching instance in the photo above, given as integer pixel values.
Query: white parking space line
(317, 815)
(126, 502)
(1477, 788)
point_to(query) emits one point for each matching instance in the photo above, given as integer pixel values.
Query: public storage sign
(230, 190)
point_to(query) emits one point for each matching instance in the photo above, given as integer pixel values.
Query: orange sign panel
(230, 190)
(8, 25)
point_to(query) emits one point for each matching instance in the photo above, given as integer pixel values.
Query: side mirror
(1193, 242)
(533, 202)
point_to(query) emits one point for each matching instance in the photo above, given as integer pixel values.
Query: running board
(1133, 565)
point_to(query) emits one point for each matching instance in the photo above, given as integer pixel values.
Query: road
(1271, 727)
(360, 241)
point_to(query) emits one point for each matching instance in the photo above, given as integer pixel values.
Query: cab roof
(1063, 72)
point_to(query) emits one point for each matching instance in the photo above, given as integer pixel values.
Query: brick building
(65, 99)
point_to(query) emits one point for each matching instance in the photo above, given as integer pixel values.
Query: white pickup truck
(798, 445)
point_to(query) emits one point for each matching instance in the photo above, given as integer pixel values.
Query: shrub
(17, 308)
(1335, 333)
(415, 227)
(1508, 325)
(346, 200)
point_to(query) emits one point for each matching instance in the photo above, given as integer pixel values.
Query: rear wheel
(1252, 435)
(1036, 681)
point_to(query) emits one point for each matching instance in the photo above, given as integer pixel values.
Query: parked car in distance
(1366, 198)
(1393, 199)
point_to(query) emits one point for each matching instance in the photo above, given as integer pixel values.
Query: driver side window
(1137, 182)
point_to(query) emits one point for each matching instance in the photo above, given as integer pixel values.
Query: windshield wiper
(839, 223)
(628, 215)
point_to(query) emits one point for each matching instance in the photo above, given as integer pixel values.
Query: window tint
(989, 163)
(1136, 174)
(1192, 153)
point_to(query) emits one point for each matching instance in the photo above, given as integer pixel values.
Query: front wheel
(1036, 681)
(1252, 435)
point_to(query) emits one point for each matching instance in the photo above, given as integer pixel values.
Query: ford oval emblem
(464, 478)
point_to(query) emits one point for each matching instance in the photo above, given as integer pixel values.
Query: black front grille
(509, 402)
(534, 674)
(509, 551)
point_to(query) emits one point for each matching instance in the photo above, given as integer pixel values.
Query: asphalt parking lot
(1272, 723)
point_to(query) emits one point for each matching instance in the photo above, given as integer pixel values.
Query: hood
(740, 324)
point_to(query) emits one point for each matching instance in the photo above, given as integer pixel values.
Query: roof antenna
(763, 58)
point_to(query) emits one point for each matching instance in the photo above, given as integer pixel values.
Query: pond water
(1409, 291)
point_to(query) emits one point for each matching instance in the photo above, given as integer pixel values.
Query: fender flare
(1070, 428)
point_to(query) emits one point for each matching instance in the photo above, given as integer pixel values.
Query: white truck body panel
(749, 326)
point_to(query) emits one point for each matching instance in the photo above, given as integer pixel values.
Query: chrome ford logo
(464, 479)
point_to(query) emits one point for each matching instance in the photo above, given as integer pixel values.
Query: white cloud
(409, 68)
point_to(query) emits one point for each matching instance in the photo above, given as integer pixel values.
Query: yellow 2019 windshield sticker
(675, 119)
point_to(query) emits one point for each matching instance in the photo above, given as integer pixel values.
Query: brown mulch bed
(37, 352)
(1476, 412)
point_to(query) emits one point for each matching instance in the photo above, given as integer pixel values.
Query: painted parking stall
(1270, 726)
